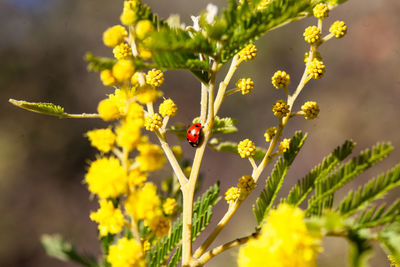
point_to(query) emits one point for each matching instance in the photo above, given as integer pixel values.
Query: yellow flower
(312, 34)
(128, 134)
(107, 178)
(144, 52)
(143, 28)
(316, 69)
(280, 108)
(120, 99)
(123, 70)
(135, 80)
(135, 112)
(248, 53)
(146, 246)
(317, 55)
(280, 79)
(246, 85)
(321, 11)
(126, 253)
(151, 157)
(310, 109)
(115, 35)
(284, 145)
(270, 133)
(169, 206)
(122, 51)
(232, 194)
(159, 225)
(129, 16)
(136, 179)
(284, 241)
(107, 109)
(263, 4)
(107, 78)
(102, 139)
(338, 28)
(246, 185)
(152, 122)
(110, 219)
(392, 261)
(155, 77)
(168, 108)
(147, 94)
(144, 203)
(246, 148)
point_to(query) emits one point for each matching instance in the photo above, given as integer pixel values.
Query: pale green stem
(203, 104)
(80, 116)
(164, 124)
(231, 92)
(253, 163)
(150, 109)
(327, 37)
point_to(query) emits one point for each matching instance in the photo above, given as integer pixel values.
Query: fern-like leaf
(43, 108)
(305, 186)
(376, 216)
(274, 182)
(175, 259)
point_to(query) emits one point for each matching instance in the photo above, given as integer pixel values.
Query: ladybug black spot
(196, 125)
(195, 134)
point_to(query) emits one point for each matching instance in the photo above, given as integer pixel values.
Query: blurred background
(43, 159)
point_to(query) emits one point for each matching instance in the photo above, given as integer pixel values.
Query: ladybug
(193, 134)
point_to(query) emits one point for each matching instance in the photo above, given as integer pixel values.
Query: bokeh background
(43, 159)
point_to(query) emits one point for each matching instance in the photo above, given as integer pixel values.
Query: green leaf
(329, 185)
(274, 182)
(56, 247)
(374, 216)
(43, 108)
(231, 147)
(99, 63)
(175, 259)
(305, 186)
(373, 190)
(201, 218)
(222, 125)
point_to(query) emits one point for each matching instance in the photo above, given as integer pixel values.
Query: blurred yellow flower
(110, 219)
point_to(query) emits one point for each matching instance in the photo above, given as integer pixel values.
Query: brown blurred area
(43, 159)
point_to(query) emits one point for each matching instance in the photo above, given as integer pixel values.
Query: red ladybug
(193, 134)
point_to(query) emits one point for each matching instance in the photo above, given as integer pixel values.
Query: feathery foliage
(274, 182)
(375, 216)
(43, 108)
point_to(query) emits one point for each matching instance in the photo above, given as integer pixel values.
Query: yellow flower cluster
(109, 218)
(152, 122)
(310, 109)
(122, 51)
(312, 34)
(107, 110)
(246, 185)
(147, 94)
(263, 4)
(143, 28)
(128, 134)
(270, 133)
(155, 77)
(126, 253)
(144, 203)
(248, 53)
(107, 178)
(280, 79)
(284, 241)
(321, 11)
(151, 157)
(246, 85)
(317, 55)
(338, 28)
(129, 16)
(107, 78)
(316, 69)
(232, 194)
(102, 139)
(159, 225)
(246, 148)
(280, 108)
(114, 35)
(136, 179)
(123, 70)
(169, 206)
(284, 145)
(168, 108)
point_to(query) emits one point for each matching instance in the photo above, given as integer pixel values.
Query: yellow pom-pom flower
(312, 34)
(128, 134)
(284, 145)
(151, 157)
(144, 203)
(129, 16)
(338, 28)
(169, 206)
(147, 94)
(280, 79)
(144, 52)
(284, 241)
(143, 28)
(246, 85)
(246, 148)
(122, 51)
(135, 112)
(310, 109)
(155, 77)
(280, 108)
(107, 109)
(107, 178)
(321, 11)
(135, 80)
(317, 55)
(270, 133)
(248, 53)
(168, 108)
(246, 185)
(232, 194)
(123, 70)
(109, 218)
(159, 225)
(136, 179)
(152, 122)
(102, 139)
(316, 69)
(126, 253)
(263, 4)
(115, 35)
(107, 78)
